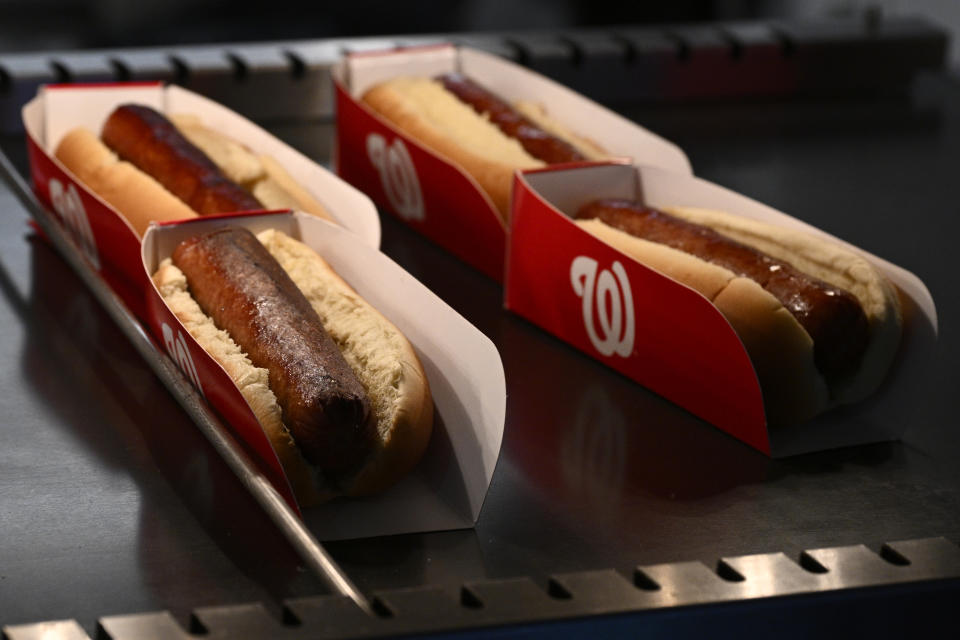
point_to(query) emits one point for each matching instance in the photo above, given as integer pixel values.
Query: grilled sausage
(535, 141)
(249, 295)
(149, 141)
(832, 316)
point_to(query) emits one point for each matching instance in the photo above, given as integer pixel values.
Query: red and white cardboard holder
(463, 367)
(447, 488)
(108, 242)
(429, 193)
(669, 337)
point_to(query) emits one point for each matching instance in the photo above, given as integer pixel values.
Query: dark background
(44, 24)
(38, 25)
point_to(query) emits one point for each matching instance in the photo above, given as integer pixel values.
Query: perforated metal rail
(521, 604)
(602, 600)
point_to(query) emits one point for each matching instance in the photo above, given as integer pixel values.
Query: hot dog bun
(136, 195)
(263, 176)
(425, 110)
(780, 348)
(379, 354)
(422, 109)
(141, 198)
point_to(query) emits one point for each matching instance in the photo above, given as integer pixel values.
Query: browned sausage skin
(249, 295)
(832, 317)
(535, 141)
(146, 139)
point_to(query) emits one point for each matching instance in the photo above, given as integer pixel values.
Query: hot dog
(339, 390)
(150, 168)
(480, 131)
(820, 324)
(139, 198)
(145, 138)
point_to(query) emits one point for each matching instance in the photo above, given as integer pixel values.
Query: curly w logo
(397, 175)
(177, 348)
(66, 202)
(607, 302)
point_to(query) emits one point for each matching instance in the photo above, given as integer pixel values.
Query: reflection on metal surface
(771, 573)
(609, 450)
(593, 453)
(59, 630)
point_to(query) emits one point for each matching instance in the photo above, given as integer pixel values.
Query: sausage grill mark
(535, 141)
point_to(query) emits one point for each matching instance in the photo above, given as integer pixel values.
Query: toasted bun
(263, 176)
(379, 354)
(779, 347)
(138, 197)
(424, 110)
(279, 190)
(234, 159)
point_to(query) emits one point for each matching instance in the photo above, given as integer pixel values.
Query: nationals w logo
(397, 175)
(66, 202)
(177, 348)
(607, 298)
